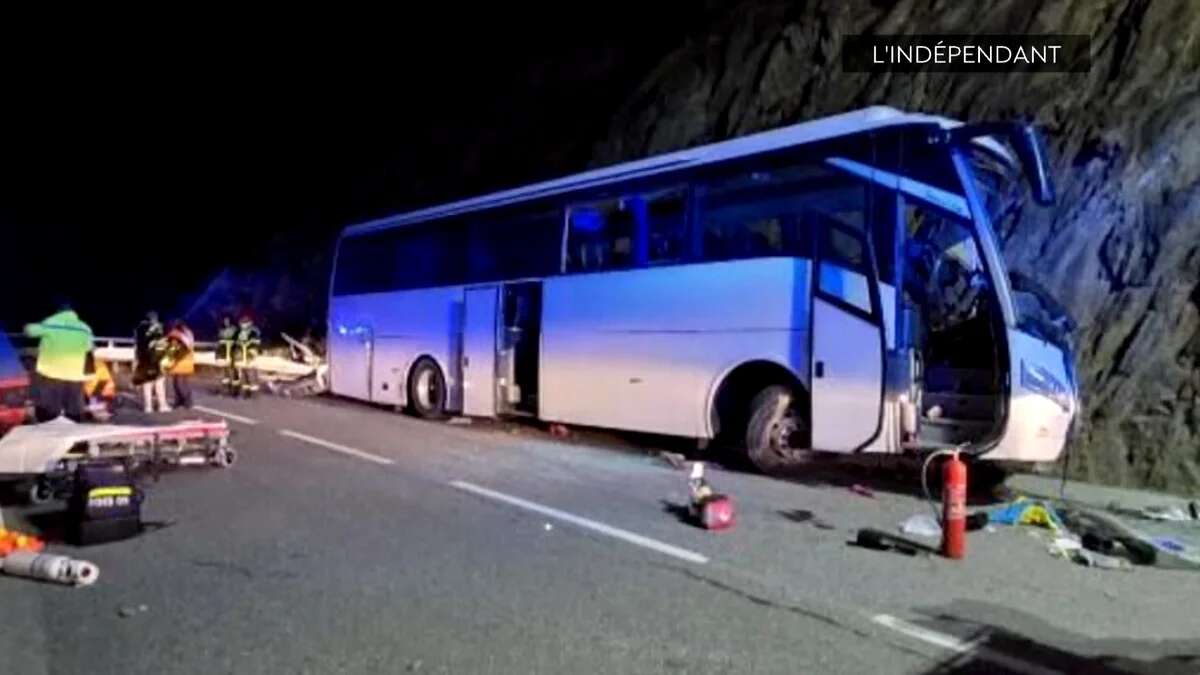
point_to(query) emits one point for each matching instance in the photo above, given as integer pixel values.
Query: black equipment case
(105, 504)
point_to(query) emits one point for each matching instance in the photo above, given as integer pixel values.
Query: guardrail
(120, 350)
(101, 341)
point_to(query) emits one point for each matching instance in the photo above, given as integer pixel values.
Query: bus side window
(600, 237)
(844, 264)
(667, 228)
(761, 213)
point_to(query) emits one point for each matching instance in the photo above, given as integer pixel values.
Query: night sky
(136, 163)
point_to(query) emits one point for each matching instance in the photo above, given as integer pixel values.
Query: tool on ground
(49, 567)
(885, 541)
(711, 510)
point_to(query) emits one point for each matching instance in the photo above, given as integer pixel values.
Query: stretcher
(40, 460)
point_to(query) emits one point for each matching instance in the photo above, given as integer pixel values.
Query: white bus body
(688, 346)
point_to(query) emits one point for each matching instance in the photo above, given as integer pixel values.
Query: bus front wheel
(427, 390)
(778, 434)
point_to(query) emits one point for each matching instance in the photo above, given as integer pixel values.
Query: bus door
(847, 341)
(478, 359)
(519, 346)
(352, 355)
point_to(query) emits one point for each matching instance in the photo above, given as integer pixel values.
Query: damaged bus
(832, 286)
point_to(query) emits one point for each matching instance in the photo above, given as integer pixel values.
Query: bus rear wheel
(777, 433)
(427, 390)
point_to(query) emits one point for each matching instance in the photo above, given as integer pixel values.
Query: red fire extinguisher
(954, 508)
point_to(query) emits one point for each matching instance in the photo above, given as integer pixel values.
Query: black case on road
(104, 505)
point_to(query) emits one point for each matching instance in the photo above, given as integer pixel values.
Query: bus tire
(427, 390)
(777, 432)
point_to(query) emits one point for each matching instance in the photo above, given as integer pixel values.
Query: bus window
(667, 227)
(844, 265)
(363, 263)
(528, 245)
(769, 213)
(601, 236)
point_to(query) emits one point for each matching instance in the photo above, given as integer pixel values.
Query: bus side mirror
(1031, 150)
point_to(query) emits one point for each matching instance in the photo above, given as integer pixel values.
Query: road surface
(352, 539)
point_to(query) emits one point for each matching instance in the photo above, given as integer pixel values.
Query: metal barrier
(27, 346)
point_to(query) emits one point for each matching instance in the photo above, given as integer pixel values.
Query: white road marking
(585, 523)
(227, 415)
(336, 447)
(953, 644)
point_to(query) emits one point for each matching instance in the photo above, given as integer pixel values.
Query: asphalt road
(352, 539)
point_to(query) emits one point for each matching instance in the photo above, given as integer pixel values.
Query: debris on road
(559, 430)
(862, 490)
(459, 421)
(1174, 513)
(1100, 560)
(882, 541)
(805, 516)
(1023, 511)
(49, 567)
(1104, 534)
(1064, 547)
(922, 525)
(674, 459)
(711, 510)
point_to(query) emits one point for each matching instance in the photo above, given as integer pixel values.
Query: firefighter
(181, 362)
(245, 349)
(63, 345)
(150, 343)
(226, 338)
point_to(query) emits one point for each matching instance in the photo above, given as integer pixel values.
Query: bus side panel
(405, 325)
(349, 358)
(643, 349)
(1037, 427)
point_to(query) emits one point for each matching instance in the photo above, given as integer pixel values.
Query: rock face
(1122, 247)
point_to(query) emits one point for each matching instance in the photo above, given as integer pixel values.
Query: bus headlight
(1040, 381)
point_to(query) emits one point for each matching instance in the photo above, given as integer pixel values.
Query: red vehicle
(14, 387)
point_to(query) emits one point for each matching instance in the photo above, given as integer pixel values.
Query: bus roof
(824, 128)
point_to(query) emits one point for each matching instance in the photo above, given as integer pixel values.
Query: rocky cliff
(1122, 247)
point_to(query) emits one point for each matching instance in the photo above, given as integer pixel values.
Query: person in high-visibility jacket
(226, 338)
(100, 384)
(181, 362)
(245, 349)
(63, 344)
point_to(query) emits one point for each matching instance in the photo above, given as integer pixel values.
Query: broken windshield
(1039, 314)
(1003, 192)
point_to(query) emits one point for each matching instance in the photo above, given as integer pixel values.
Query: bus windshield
(1000, 185)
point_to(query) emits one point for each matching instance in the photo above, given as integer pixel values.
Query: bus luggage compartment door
(351, 352)
(479, 351)
(847, 343)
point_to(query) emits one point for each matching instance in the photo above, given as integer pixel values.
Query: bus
(834, 286)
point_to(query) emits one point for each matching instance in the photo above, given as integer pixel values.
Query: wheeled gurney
(40, 460)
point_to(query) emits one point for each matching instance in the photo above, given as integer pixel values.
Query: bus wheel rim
(784, 431)
(426, 389)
